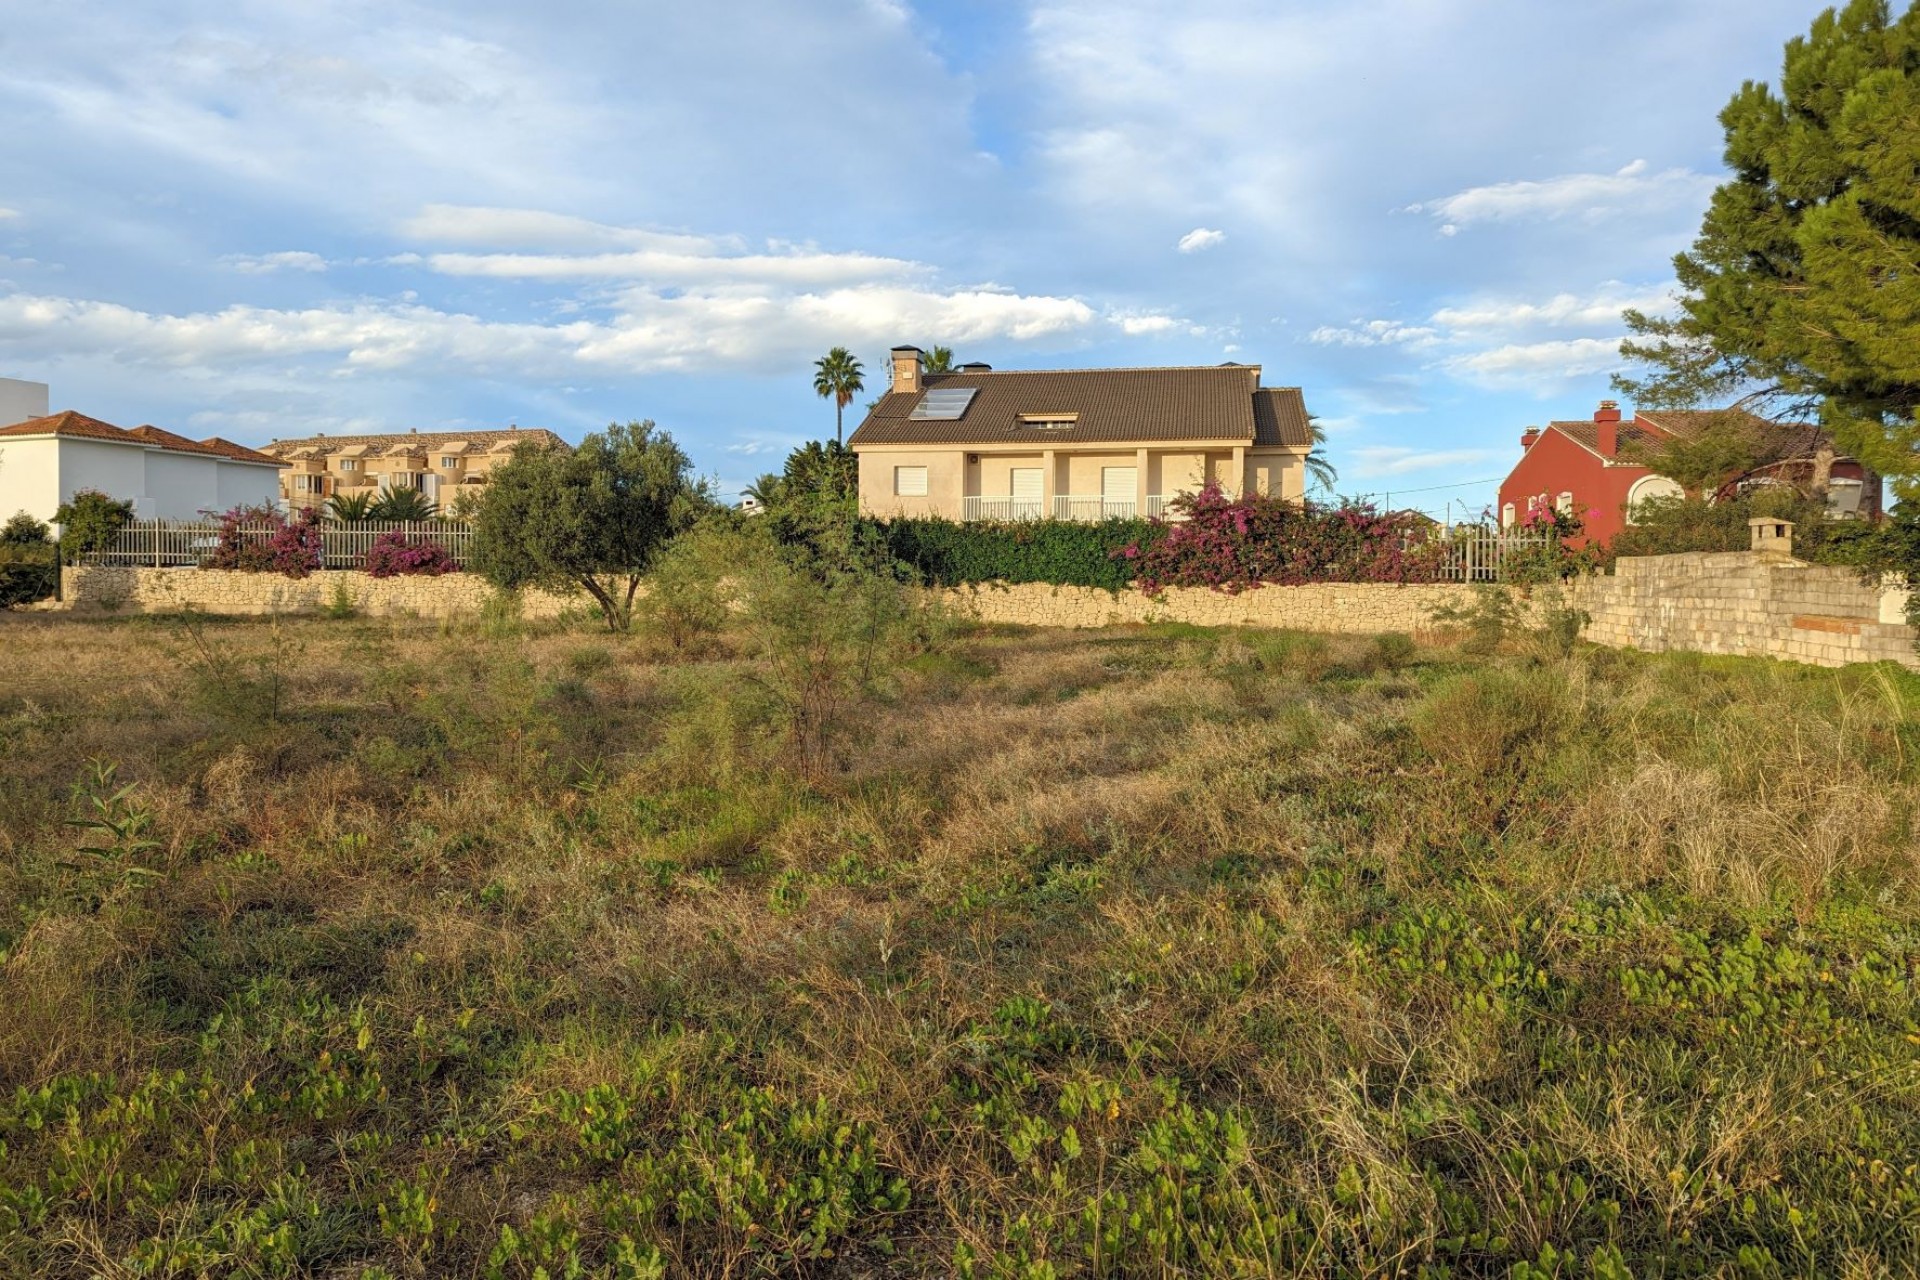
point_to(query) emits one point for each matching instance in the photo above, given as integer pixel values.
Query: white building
(45, 460)
(21, 400)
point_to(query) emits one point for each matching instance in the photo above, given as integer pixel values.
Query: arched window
(1647, 488)
(1564, 504)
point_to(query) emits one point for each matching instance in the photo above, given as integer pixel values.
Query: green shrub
(90, 522)
(1067, 553)
(29, 567)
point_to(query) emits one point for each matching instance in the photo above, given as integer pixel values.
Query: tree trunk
(1822, 470)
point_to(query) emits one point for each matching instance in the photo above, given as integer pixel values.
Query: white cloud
(260, 264)
(1200, 239)
(1601, 308)
(1399, 460)
(1590, 196)
(679, 268)
(499, 228)
(1528, 364)
(7, 214)
(646, 331)
(1374, 333)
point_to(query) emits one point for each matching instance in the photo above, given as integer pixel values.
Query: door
(1119, 486)
(1027, 493)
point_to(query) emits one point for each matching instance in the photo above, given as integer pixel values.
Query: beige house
(440, 464)
(1075, 444)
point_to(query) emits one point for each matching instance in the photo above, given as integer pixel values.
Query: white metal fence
(163, 544)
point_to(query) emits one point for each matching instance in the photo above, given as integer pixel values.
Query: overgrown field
(345, 948)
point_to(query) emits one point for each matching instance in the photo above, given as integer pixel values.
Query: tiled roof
(69, 423)
(80, 426)
(1647, 429)
(1280, 418)
(238, 452)
(405, 442)
(1108, 406)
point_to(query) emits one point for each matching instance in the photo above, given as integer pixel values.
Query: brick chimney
(1528, 436)
(1607, 418)
(906, 370)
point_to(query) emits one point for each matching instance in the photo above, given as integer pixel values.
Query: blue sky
(268, 219)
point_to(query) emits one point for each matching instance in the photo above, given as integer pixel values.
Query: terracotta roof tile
(69, 423)
(1280, 418)
(1118, 406)
(238, 452)
(405, 442)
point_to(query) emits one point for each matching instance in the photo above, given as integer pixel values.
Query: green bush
(1063, 552)
(28, 566)
(90, 521)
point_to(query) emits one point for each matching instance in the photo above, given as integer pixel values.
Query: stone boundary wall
(1742, 602)
(126, 589)
(1357, 608)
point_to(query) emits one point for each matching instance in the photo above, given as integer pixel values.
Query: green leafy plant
(350, 508)
(90, 521)
(592, 518)
(403, 506)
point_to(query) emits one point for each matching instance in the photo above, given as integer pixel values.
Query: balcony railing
(1001, 508)
(1067, 506)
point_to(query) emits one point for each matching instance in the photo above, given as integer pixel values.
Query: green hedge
(1062, 552)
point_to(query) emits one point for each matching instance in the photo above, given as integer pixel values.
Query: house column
(1239, 471)
(1047, 484)
(1140, 486)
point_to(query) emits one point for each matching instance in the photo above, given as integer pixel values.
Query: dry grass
(1142, 952)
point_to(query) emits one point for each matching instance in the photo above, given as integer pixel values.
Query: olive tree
(592, 518)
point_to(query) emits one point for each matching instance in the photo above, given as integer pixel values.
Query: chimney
(1528, 436)
(906, 370)
(976, 366)
(1607, 418)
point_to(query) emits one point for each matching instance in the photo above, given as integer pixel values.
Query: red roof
(69, 423)
(80, 426)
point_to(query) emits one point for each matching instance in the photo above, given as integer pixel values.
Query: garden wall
(1741, 602)
(1363, 608)
(122, 588)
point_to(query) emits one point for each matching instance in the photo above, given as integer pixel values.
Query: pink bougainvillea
(260, 539)
(393, 556)
(1235, 545)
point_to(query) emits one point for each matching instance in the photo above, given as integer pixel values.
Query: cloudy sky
(263, 219)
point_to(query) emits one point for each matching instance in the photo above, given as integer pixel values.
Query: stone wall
(1363, 608)
(124, 589)
(1732, 602)
(1741, 602)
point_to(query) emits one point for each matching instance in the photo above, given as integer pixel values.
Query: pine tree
(1802, 293)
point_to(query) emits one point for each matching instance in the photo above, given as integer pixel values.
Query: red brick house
(1588, 468)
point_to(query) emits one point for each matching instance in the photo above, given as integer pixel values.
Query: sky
(264, 220)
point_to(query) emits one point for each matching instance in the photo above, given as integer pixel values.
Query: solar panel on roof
(943, 405)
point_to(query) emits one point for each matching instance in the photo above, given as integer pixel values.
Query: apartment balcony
(1066, 506)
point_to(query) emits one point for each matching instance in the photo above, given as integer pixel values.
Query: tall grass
(356, 947)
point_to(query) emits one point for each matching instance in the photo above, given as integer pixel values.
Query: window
(1648, 488)
(1564, 504)
(910, 482)
(448, 462)
(309, 484)
(1047, 421)
(1506, 516)
(349, 464)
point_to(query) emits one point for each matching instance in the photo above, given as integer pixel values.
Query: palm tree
(837, 374)
(403, 506)
(767, 490)
(938, 360)
(350, 508)
(1319, 470)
